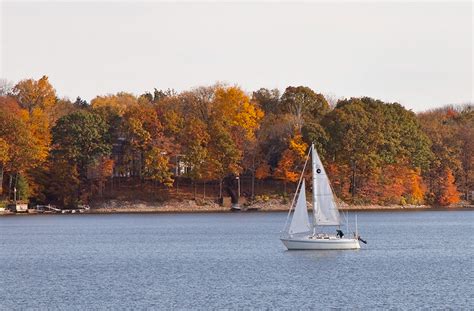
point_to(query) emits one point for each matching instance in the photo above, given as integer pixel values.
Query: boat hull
(309, 243)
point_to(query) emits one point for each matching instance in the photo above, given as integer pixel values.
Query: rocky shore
(210, 206)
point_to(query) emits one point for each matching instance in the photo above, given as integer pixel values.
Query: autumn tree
(374, 139)
(464, 135)
(195, 140)
(103, 169)
(267, 100)
(233, 123)
(306, 105)
(221, 121)
(80, 103)
(448, 193)
(79, 139)
(4, 157)
(117, 103)
(144, 134)
(416, 188)
(62, 183)
(234, 109)
(451, 130)
(30, 135)
(61, 108)
(290, 165)
(273, 134)
(25, 139)
(299, 108)
(353, 138)
(38, 97)
(111, 108)
(145, 129)
(32, 94)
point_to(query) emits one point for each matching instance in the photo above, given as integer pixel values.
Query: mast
(313, 173)
(357, 232)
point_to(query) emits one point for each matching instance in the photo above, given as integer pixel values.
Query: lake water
(232, 261)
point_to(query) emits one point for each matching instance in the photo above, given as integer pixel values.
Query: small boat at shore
(300, 233)
(239, 208)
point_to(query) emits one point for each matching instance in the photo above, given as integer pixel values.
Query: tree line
(53, 150)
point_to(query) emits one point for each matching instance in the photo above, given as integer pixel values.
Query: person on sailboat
(339, 234)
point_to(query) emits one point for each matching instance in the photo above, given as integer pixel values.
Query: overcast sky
(415, 53)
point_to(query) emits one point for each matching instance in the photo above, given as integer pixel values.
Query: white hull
(311, 243)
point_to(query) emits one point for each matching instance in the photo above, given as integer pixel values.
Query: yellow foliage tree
(298, 145)
(35, 94)
(157, 166)
(234, 107)
(230, 119)
(4, 154)
(117, 103)
(288, 168)
(4, 157)
(41, 134)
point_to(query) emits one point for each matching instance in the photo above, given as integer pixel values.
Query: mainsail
(325, 209)
(300, 220)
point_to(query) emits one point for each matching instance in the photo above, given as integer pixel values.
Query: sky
(419, 54)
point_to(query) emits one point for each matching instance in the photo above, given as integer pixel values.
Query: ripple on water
(231, 261)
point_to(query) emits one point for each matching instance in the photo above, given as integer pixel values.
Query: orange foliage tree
(449, 193)
(290, 165)
(415, 188)
(450, 129)
(26, 140)
(103, 169)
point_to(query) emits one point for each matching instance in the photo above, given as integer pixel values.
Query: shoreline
(220, 209)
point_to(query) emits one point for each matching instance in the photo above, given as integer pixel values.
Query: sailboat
(301, 234)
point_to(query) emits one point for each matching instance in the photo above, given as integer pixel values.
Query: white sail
(325, 209)
(300, 220)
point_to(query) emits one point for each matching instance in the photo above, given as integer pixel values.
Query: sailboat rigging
(305, 234)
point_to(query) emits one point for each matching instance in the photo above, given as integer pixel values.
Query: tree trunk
(353, 182)
(1, 180)
(10, 186)
(15, 190)
(466, 188)
(220, 188)
(101, 190)
(253, 184)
